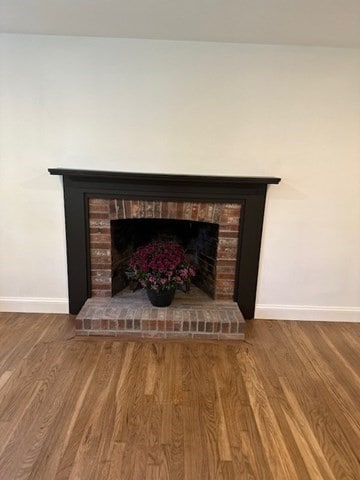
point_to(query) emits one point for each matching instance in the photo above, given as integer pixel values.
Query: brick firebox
(103, 211)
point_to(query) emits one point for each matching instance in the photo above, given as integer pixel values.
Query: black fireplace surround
(80, 185)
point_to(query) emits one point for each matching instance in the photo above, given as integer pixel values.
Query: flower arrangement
(161, 266)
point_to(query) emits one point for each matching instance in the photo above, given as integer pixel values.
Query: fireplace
(228, 209)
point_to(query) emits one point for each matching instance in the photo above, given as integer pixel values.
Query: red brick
(100, 253)
(157, 209)
(79, 324)
(187, 210)
(134, 208)
(209, 327)
(172, 210)
(100, 265)
(226, 228)
(180, 210)
(202, 211)
(224, 296)
(164, 209)
(146, 324)
(217, 212)
(226, 220)
(127, 206)
(141, 213)
(221, 284)
(228, 253)
(100, 257)
(224, 293)
(99, 223)
(149, 209)
(101, 272)
(113, 209)
(99, 283)
(226, 262)
(104, 324)
(100, 237)
(221, 269)
(120, 209)
(95, 324)
(201, 326)
(87, 324)
(232, 205)
(233, 327)
(228, 242)
(231, 210)
(98, 209)
(96, 292)
(194, 211)
(210, 212)
(228, 276)
(98, 201)
(100, 230)
(225, 327)
(100, 245)
(99, 216)
(229, 234)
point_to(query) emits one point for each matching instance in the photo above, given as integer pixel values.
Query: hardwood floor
(283, 405)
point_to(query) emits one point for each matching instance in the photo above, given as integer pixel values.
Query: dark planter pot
(161, 299)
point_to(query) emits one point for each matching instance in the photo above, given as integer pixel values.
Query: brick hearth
(191, 315)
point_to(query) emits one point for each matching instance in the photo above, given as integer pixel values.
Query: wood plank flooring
(282, 405)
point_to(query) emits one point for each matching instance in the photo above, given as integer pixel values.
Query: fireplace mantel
(160, 177)
(80, 185)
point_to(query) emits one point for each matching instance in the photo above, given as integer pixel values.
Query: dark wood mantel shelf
(159, 177)
(79, 185)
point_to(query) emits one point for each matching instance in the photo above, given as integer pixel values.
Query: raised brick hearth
(191, 315)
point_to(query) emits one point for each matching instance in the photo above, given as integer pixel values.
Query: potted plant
(160, 267)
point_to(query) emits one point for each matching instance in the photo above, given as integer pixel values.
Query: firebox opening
(199, 239)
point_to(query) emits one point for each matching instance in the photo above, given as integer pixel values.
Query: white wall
(186, 107)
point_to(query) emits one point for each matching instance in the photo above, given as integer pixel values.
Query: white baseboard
(34, 305)
(308, 313)
(265, 311)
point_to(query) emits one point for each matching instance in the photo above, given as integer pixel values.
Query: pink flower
(161, 265)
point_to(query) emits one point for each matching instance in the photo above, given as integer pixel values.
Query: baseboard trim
(34, 305)
(308, 313)
(265, 311)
